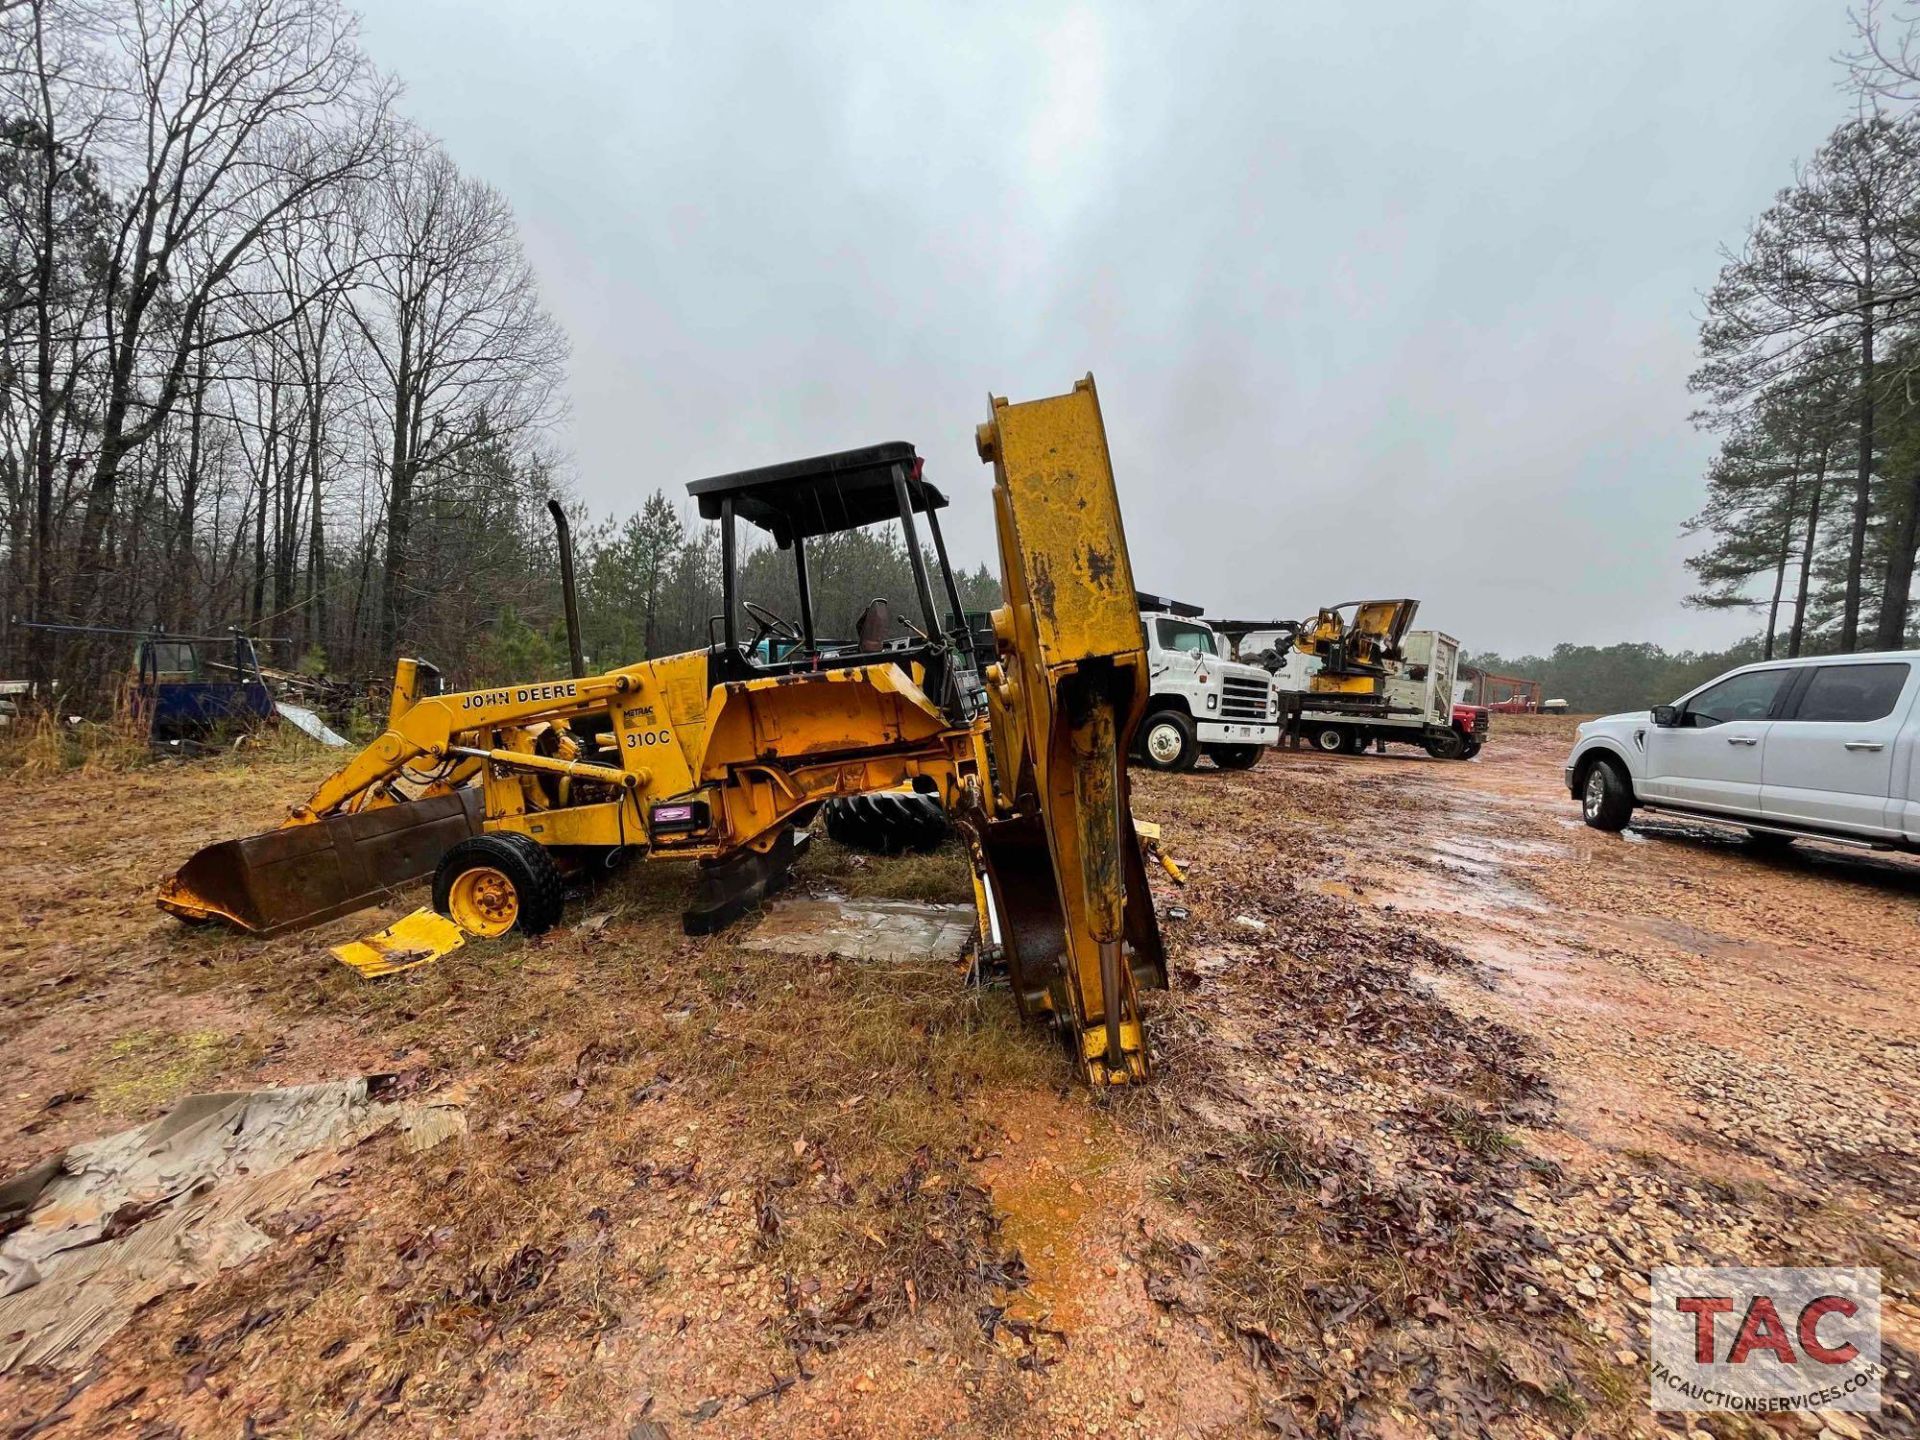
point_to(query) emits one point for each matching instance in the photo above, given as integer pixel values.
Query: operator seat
(874, 627)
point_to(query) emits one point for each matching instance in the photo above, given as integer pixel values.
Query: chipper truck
(1348, 682)
(720, 756)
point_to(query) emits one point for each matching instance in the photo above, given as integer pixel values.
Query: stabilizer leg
(731, 887)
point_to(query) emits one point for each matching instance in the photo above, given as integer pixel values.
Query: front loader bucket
(304, 874)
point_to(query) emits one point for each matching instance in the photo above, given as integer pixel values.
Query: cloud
(1386, 300)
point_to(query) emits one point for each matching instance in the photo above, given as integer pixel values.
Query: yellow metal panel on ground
(419, 939)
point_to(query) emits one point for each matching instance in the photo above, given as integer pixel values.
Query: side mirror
(1666, 716)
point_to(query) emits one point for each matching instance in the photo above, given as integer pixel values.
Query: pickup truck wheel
(1235, 757)
(1330, 738)
(1606, 799)
(1167, 743)
(1450, 746)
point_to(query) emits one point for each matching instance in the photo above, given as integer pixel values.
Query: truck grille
(1245, 699)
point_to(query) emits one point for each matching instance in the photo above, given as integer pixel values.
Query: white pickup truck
(1823, 748)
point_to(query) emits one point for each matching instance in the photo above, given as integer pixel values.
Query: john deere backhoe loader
(718, 755)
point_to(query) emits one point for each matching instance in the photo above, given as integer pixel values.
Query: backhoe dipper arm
(1068, 880)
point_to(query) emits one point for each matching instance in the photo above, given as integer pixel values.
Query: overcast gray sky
(1382, 300)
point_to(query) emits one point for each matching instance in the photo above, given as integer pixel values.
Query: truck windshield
(1182, 635)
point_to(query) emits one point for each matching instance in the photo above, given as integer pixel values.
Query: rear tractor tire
(1234, 757)
(491, 884)
(1167, 741)
(887, 823)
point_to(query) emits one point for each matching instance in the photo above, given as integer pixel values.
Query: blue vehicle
(181, 693)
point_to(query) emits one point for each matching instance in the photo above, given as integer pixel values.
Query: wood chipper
(719, 756)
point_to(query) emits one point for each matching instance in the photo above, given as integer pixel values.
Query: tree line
(270, 360)
(1604, 679)
(1810, 374)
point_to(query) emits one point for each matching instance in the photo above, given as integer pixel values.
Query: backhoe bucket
(1032, 919)
(304, 874)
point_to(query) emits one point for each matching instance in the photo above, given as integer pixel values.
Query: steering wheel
(769, 624)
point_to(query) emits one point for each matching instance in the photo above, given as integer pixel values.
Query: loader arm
(1061, 860)
(427, 727)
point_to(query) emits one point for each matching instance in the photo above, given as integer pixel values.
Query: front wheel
(1450, 746)
(1167, 741)
(493, 883)
(1473, 749)
(1606, 800)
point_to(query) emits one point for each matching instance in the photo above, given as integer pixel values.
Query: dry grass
(659, 1124)
(943, 877)
(1552, 727)
(43, 745)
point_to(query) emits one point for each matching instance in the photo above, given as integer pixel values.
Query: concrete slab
(891, 931)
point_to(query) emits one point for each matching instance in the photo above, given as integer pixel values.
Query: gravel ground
(1441, 1075)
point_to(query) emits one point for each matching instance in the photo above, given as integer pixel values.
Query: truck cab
(1203, 701)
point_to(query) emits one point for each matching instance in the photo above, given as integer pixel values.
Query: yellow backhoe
(718, 756)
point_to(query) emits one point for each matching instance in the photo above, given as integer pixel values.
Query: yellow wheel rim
(483, 901)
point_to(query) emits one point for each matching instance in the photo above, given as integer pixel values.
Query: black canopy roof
(821, 495)
(1148, 601)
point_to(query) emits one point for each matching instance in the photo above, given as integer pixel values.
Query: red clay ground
(1442, 1075)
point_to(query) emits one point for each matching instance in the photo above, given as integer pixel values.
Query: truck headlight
(1213, 702)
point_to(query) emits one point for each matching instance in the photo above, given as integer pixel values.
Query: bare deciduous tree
(464, 353)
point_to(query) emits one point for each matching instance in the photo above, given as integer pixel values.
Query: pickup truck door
(1712, 759)
(1830, 757)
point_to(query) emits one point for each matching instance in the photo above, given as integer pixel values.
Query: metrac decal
(632, 720)
(559, 690)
